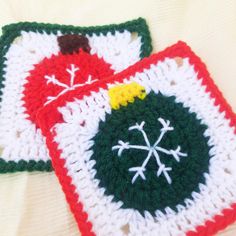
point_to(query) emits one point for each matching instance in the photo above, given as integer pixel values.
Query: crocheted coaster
(40, 62)
(149, 151)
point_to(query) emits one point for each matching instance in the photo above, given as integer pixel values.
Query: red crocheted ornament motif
(56, 75)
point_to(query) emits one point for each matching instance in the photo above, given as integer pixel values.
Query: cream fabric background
(32, 204)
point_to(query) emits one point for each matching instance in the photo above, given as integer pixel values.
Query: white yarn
(152, 151)
(108, 217)
(121, 50)
(72, 72)
(18, 136)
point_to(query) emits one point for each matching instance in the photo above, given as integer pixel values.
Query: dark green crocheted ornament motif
(170, 173)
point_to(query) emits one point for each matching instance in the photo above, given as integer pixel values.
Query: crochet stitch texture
(40, 62)
(158, 164)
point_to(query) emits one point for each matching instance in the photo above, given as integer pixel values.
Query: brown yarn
(72, 43)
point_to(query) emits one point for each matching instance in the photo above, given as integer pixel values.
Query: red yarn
(227, 216)
(72, 197)
(37, 89)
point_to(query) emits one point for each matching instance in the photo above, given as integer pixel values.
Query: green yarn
(154, 193)
(12, 31)
(139, 26)
(13, 166)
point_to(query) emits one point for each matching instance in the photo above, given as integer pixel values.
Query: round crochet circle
(55, 76)
(151, 154)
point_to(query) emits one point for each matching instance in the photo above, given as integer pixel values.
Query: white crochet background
(34, 203)
(107, 217)
(19, 137)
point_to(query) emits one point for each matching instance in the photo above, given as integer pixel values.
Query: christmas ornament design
(41, 62)
(152, 151)
(59, 74)
(148, 151)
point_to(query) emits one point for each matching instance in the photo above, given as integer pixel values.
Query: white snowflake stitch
(152, 150)
(72, 72)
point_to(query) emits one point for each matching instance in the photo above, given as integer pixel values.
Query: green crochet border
(22, 165)
(11, 31)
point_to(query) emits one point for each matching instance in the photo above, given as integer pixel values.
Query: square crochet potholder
(40, 62)
(149, 151)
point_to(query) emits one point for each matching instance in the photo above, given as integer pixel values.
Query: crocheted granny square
(41, 62)
(149, 151)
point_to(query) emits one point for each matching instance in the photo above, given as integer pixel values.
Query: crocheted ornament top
(148, 151)
(40, 62)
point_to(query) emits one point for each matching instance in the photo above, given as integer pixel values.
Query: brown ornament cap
(72, 43)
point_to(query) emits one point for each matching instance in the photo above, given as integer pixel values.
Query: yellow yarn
(122, 95)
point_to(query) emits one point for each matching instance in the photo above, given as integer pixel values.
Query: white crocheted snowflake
(152, 151)
(72, 73)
